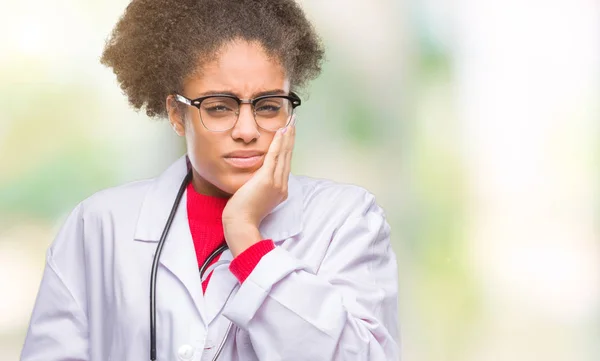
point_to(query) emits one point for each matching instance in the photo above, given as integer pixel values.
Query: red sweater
(204, 217)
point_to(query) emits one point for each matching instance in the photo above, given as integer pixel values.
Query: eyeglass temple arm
(183, 99)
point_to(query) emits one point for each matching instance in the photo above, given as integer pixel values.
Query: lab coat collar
(283, 222)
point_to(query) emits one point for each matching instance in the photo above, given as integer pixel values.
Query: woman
(291, 267)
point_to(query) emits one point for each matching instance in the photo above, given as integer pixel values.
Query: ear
(176, 116)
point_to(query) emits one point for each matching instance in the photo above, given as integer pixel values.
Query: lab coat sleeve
(58, 329)
(346, 311)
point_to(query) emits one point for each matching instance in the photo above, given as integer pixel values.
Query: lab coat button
(186, 352)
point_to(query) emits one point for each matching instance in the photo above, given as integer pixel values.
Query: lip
(244, 158)
(244, 162)
(244, 154)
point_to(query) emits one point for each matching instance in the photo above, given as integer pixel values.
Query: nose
(245, 128)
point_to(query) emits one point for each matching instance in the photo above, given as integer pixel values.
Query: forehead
(239, 67)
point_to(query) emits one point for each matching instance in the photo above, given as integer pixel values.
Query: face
(246, 71)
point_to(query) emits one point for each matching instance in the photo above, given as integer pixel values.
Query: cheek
(201, 147)
(205, 152)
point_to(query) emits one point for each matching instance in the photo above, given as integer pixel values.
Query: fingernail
(284, 130)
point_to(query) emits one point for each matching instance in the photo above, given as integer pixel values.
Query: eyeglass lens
(221, 113)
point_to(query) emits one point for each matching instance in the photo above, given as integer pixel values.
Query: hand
(266, 189)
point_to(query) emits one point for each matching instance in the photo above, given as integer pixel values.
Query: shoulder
(110, 203)
(96, 215)
(342, 198)
(109, 200)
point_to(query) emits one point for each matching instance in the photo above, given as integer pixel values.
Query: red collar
(203, 207)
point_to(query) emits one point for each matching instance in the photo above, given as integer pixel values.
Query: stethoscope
(202, 269)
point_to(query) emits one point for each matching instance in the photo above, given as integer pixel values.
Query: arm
(347, 311)
(58, 329)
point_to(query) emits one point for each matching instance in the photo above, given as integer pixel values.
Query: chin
(233, 182)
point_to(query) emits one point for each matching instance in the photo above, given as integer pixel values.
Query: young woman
(226, 255)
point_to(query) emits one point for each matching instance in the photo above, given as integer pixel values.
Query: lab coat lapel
(221, 286)
(179, 257)
(178, 254)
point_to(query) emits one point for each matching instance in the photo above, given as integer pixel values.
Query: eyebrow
(254, 95)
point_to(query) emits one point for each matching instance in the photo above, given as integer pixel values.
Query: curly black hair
(157, 44)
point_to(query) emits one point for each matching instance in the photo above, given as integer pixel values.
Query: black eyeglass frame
(292, 97)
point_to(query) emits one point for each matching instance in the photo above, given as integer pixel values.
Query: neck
(204, 187)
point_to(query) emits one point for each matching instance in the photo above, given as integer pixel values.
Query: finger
(289, 151)
(286, 148)
(271, 156)
(288, 157)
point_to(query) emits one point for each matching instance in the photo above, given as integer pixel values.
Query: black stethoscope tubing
(159, 248)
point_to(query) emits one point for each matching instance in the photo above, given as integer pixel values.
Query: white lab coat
(328, 291)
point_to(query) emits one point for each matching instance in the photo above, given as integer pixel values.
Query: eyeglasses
(220, 112)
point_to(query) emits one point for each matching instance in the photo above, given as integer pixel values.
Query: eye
(219, 106)
(268, 108)
(272, 105)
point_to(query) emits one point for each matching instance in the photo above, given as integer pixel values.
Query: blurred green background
(475, 123)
